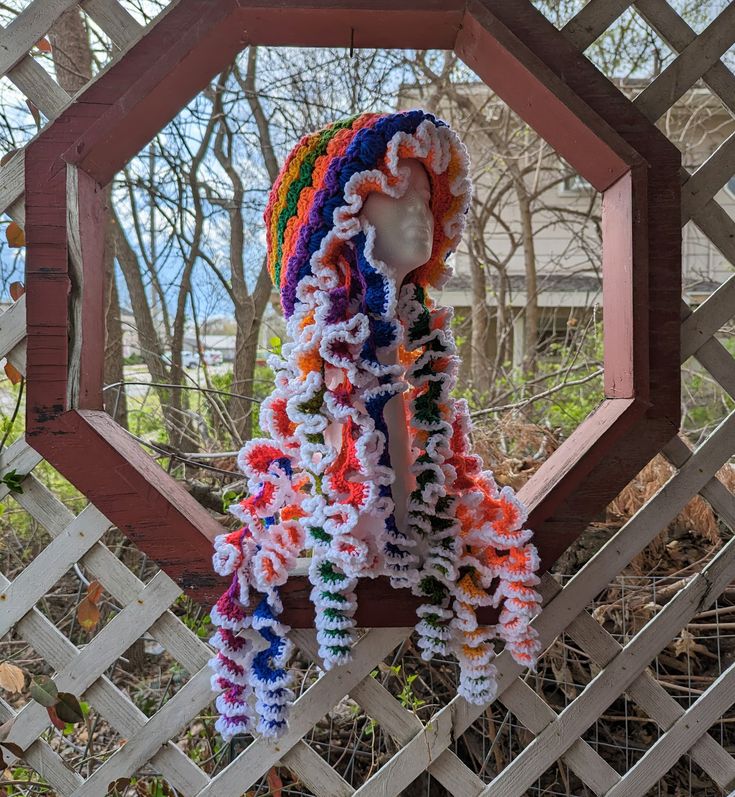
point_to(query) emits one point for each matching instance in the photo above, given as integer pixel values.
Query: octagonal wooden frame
(530, 65)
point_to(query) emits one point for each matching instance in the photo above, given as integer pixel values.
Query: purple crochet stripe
(361, 153)
(314, 223)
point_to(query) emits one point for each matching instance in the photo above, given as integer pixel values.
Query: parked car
(191, 359)
(212, 357)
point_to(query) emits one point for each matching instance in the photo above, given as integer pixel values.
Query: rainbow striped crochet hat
(465, 544)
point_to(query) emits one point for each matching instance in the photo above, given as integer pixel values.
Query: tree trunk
(70, 51)
(481, 318)
(151, 348)
(116, 403)
(502, 321)
(531, 316)
(248, 316)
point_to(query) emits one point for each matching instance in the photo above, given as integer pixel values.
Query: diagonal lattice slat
(424, 745)
(690, 64)
(679, 738)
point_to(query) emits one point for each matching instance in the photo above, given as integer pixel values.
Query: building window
(576, 184)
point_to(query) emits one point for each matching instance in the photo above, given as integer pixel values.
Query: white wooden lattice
(623, 668)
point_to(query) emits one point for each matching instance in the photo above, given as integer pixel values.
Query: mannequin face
(404, 227)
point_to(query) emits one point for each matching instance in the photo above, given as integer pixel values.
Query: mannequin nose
(416, 209)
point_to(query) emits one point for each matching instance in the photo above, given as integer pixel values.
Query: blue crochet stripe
(367, 147)
(262, 665)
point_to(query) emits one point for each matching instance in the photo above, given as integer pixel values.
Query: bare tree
(72, 58)
(514, 172)
(248, 305)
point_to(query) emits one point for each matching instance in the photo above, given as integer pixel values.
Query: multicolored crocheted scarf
(464, 545)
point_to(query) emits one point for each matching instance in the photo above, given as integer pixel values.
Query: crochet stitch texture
(465, 544)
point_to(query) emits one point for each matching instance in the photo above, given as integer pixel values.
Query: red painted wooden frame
(536, 71)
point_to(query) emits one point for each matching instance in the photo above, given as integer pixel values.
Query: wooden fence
(145, 607)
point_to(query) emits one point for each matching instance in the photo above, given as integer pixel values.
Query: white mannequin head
(404, 226)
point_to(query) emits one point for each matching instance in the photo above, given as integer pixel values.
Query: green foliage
(409, 699)
(222, 381)
(559, 394)
(24, 777)
(704, 403)
(12, 481)
(275, 344)
(230, 497)
(461, 327)
(193, 617)
(146, 420)
(133, 359)
(567, 385)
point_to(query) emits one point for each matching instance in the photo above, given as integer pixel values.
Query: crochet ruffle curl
(465, 544)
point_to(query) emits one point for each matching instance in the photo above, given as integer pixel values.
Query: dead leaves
(88, 613)
(118, 787)
(11, 747)
(687, 645)
(275, 784)
(15, 235)
(12, 678)
(17, 289)
(13, 374)
(8, 156)
(696, 519)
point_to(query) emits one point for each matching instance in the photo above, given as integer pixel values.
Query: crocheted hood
(464, 544)
(315, 201)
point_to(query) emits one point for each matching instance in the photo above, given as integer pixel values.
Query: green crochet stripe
(338, 650)
(444, 504)
(303, 180)
(426, 408)
(329, 574)
(335, 633)
(425, 477)
(436, 345)
(433, 620)
(441, 523)
(433, 589)
(422, 325)
(416, 495)
(318, 533)
(425, 370)
(333, 596)
(479, 680)
(334, 614)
